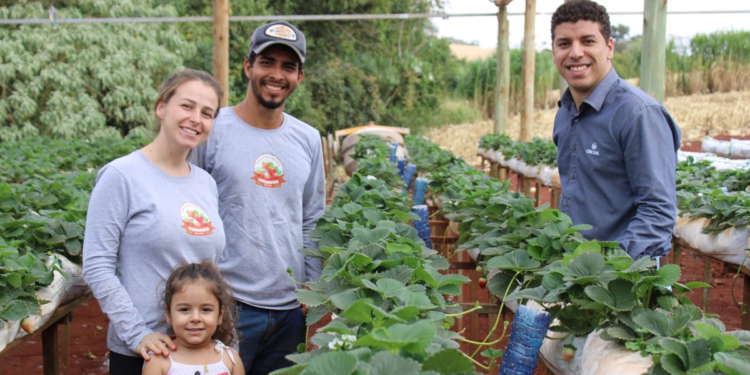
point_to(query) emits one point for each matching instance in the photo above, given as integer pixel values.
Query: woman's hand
(157, 343)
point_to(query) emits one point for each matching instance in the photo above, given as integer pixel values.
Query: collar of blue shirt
(596, 98)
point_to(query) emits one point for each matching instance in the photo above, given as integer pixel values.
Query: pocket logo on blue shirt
(592, 150)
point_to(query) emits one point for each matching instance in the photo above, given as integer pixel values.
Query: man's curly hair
(576, 10)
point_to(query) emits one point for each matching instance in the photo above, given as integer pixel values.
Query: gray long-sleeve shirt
(617, 157)
(271, 195)
(141, 224)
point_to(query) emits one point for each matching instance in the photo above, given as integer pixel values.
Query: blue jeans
(267, 336)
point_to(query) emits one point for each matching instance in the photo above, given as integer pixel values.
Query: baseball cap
(278, 32)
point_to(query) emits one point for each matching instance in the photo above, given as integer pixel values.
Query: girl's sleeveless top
(218, 368)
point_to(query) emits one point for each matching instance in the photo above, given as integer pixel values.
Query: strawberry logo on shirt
(268, 171)
(195, 221)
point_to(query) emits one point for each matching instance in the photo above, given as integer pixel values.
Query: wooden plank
(65, 343)
(221, 47)
(654, 51)
(527, 72)
(538, 192)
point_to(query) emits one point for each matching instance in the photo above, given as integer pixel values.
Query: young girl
(200, 308)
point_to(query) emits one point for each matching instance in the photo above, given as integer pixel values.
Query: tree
(84, 80)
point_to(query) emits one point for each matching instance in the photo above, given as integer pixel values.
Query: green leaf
(618, 296)
(699, 353)
(449, 361)
(398, 248)
(359, 311)
(668, 275)
(697, 284)
(707, 331)
(518, 260)
(453, 279)
(310, 298)
(585, 268)
(333, 363)
(343, 300)
(737, 364)
(653, 322)
(352, 208)
(390, 288)
(419, 300)
(492, 353)
(667, 302)
(672, 364)
(386, 363)
(499, 284)
(536, 294)
(621, 332)
(13, 279)
(679, 349)
(588, 247)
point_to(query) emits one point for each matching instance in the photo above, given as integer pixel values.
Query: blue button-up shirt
(617, 156)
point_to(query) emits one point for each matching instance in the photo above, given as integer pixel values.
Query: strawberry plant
(719, 196)
(44, 191)
(385, 288)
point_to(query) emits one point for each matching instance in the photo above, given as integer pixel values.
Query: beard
(270, 104)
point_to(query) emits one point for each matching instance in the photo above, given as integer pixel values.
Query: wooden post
(50, 350)
(707, 280)
(654, 55)
(746, 300)
(502, 86)
(529, 52)
(221, 47)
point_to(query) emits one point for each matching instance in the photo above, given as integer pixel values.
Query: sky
(682, 27)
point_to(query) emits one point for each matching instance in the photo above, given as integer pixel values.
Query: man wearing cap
(268, 167)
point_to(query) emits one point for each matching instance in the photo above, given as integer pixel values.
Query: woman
(151, 211)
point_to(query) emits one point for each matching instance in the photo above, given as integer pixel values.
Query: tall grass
(717, 62)
(479, 78)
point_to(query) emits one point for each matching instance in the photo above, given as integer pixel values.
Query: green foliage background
(84, 80)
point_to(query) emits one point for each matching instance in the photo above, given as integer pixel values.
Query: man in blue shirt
(617, 146)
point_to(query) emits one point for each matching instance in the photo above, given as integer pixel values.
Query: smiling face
(582, 55)
(194, 314)
(273, 76)
(186, 119)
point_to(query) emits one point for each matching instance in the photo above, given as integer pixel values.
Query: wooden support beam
(221, 47)
(707, 280)
(654, 51)
(502, 86)
(677, 253)
(554, 198)
(50, 351)
(527, 74)
(746, 301)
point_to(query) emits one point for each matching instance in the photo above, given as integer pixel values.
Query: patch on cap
(281, 32)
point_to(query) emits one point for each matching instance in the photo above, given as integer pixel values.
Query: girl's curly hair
(576, 10)
(205, 272)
